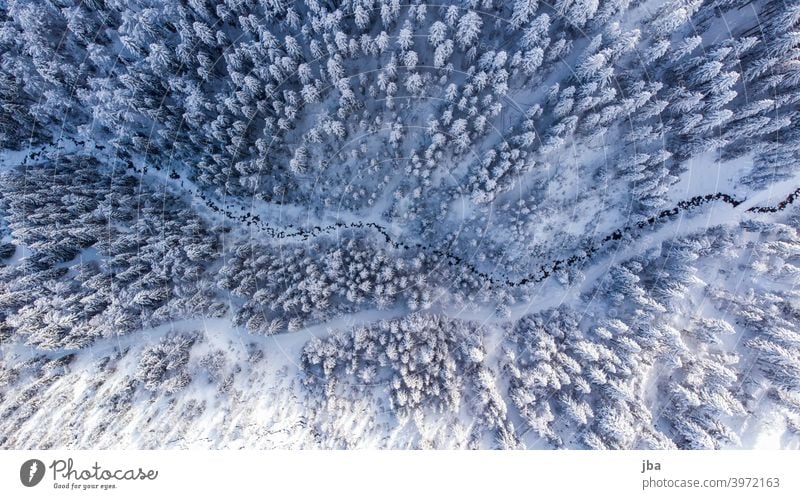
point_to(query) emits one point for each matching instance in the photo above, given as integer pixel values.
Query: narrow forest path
(494, 281)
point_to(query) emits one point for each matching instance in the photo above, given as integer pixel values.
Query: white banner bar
(400, 474)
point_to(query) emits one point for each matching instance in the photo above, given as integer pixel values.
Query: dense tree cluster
(103, 255)
(286, 286)
(260, 96)
(635, 373)
(430, 366)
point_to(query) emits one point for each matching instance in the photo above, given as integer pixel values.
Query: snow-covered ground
(400, 225)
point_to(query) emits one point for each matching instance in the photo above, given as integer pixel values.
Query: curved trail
(493, 281)
(544, 271)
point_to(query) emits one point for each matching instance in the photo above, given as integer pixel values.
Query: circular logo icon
(31, 472)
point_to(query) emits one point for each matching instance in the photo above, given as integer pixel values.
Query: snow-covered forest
(382, 224)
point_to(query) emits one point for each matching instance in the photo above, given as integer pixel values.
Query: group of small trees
(163, 366)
